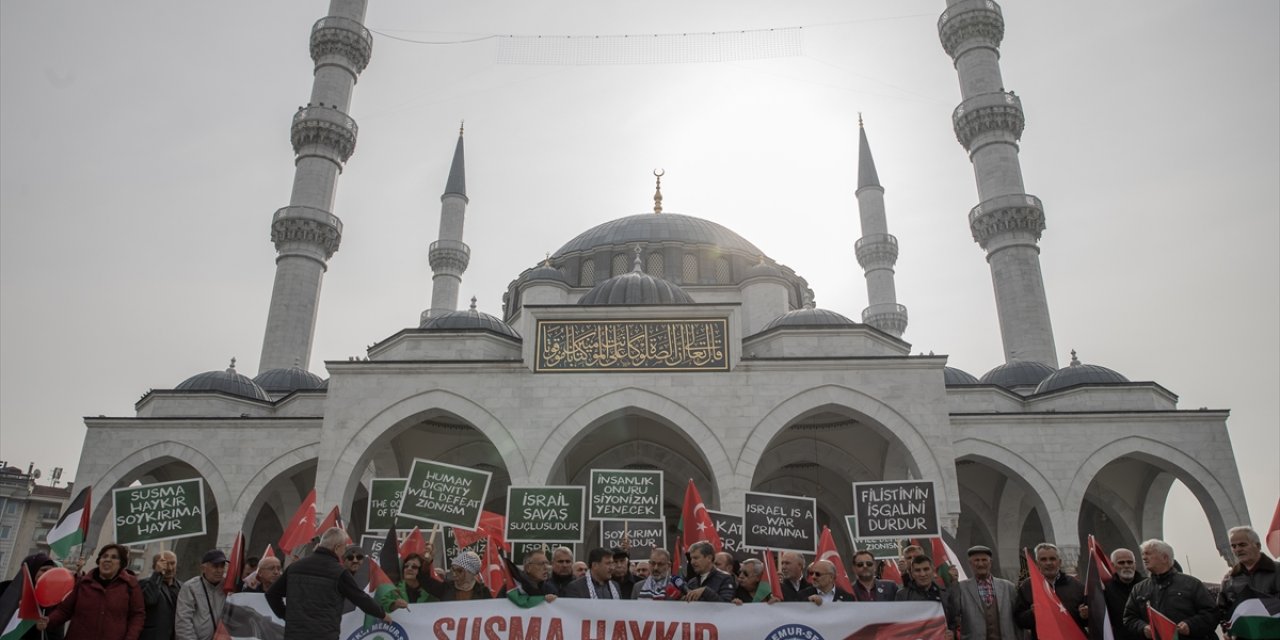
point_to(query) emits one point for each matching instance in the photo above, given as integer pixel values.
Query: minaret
(307, 233)
(1007, 221)
(449, 255)
(877, 250)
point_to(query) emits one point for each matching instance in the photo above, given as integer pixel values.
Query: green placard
(384, 502)
(880, 549)
(444, 493)
(162, 511)
(618, 494)
(545, 514)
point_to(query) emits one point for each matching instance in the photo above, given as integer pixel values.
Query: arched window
(690, 269)
(654, 265)
(620, 265)
(587, 277)
(722, 271)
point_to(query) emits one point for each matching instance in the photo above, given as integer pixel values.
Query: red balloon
(53, 586)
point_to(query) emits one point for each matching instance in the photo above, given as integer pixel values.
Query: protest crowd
(320, 573)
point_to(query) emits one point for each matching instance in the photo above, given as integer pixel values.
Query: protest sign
(895, 509)
(880, 549)
(444, 493)
(545, 514)
(729, 528)
(643, 535)
(521, 549)
(384, 502)
(451, 548)
(781, 523)
(161, 511)
(618, 494)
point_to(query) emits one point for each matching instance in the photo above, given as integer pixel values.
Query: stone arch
(704, 442)
(1014, 466)
(880, 417)
(342, 474)
(676, 468)
(1218, 503)
(251, 495)
(149, 458)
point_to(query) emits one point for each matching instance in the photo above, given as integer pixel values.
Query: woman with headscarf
(105, 604)
(465, 585)
(37, 564)
(410, 589)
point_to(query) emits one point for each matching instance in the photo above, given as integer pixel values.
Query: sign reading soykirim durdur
(444, 493)
(161, 511)
(632, 345)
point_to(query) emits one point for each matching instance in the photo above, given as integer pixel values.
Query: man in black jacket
(791, 575)
(598, 584)
(1117, 592)
(160, 596)
(1178, 596)
(922, 587)
(1253, 574)
(313, 589)
(1069, 590)
(708, 584)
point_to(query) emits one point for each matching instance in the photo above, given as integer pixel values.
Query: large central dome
(651, 228)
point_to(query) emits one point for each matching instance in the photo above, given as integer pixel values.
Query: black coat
(161, 601)
(1180, 597)
(719, 586)
(841, 594)
(1264, 579)
(1117, 595)
(578, 589)
(792, 594)
(913, 593)
(309, 594)
(1069, 590)
(884, 591)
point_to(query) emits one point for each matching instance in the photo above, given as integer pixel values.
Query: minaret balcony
(324, 126)
(970, 23)
(1007, 214)
(888, 317)
(308, 225)
(449, 257)
(999, 111)
(876, 250)
(336, 35)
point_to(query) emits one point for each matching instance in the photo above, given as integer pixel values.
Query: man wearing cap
(985, 601)
(201, 598)
(622, 571)
(309, 594)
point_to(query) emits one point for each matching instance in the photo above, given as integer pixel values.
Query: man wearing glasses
(1117, 592)
(822, 576)
(352, 559)
(866, 587)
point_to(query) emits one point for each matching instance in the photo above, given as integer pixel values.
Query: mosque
(668, 341)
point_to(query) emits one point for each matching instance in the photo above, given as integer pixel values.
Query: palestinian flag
(21, 598)
(944, 559)
(1096, 578)
(1162, 628)
(1256, 618)
(379, 586)
(72, 528)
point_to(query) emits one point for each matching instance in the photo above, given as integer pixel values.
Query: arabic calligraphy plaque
(632, 345)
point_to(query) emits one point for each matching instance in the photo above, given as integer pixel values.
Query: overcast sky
(144, 147)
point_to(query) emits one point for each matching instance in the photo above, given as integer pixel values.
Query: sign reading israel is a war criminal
(698, 344)
(444, 493)
(643, 536)
(626, 495)
(729, 528)
(161, 511)
(545, 514)
(781, 523)
(895, 509)
(384, 502)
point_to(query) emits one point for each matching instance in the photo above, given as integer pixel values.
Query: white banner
(247, 616)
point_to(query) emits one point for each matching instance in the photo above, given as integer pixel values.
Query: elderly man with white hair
(1176, 595)
(1253, 571)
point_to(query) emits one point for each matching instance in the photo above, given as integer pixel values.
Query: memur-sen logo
(380, 631)
(794, 632)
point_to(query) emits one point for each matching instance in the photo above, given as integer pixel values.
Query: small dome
(761, 269)
(952, 375)
(636, 287)
(469, 320)
(226, 381)
(809, 317)
(285, 380)
(1017, 373)
(545, 271)
(1078, 373)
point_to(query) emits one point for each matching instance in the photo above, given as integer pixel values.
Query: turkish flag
(333, 519)
(1053, 621)
(301, 526)
(827, 551)
(926, 629)
(1162, 628)
(891, 572)
(492, 525)
(413, 543)
(233, 564)
(1273, 534)
(771, 572)
(695, 522)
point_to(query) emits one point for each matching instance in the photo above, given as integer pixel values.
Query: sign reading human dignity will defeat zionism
(444, 493)
(162, 511)
(545, 514)
(625, 494)
(781, 523)
(895, 509)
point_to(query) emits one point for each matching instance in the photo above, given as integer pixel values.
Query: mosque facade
(667, 341)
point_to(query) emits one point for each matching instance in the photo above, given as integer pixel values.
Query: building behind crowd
(667, 341)
(27, 511)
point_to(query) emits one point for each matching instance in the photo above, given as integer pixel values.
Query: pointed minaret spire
(449, 255)
(307, 232)
(1007, 221)
(877, 251)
